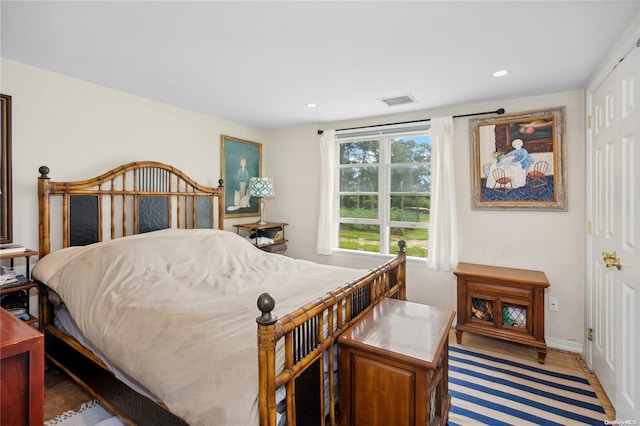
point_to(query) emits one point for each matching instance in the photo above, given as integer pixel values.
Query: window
(384, 191)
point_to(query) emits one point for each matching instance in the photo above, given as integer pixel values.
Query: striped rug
(494, 389)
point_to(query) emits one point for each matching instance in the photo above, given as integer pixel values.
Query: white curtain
(327, 185)
(443, 230)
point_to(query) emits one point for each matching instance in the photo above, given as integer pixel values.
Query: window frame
(384, 193)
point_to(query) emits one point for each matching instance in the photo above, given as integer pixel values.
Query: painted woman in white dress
(515, 164)
(241, 196)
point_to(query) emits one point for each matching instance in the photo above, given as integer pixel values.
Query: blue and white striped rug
(493, 389)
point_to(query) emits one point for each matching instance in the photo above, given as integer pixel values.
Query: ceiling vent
(399, 100)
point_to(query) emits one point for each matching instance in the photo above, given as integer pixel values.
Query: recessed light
(500, 73)
(311, 105)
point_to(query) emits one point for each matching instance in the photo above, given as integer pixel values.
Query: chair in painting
(537, 176)
(502, 181)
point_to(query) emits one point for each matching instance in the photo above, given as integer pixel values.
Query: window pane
(411, 149)
(411, 179)
(416, 240)
(410, 208)
(359, 206)
(360, 152)
(402, 166)
(360, 237)
(359, 179)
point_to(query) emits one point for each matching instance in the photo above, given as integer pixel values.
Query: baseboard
(564, 345)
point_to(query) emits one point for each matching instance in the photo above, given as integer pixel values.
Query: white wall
(552, 242)
(80, 130)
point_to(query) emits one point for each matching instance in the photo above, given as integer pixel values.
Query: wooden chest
(393, 366)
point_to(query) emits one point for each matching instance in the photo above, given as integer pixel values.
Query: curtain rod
(498, 111)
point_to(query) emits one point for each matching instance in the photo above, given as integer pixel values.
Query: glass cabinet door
(515, 316)
(482, 309)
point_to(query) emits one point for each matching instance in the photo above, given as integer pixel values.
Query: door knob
(611, 259)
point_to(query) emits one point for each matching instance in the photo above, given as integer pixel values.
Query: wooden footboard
(308, 337)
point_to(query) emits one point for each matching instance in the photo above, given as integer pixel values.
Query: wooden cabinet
(255, 231)
(393, 366)
(506, 303)
(21, 372)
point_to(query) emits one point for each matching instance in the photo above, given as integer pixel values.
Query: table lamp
(261, 187)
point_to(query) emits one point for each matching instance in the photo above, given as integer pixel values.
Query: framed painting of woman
(241, 160)
(518, 161)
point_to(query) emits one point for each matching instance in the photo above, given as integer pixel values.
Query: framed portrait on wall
(6, 223)
(518, 161)
(241, 160)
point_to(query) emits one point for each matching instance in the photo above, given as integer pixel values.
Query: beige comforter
(176, 310)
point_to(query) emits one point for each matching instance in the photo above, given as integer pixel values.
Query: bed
(149, 304)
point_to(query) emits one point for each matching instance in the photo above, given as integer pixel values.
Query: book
(9, 280)
(16, 281)
(11, 248)
(8, 276)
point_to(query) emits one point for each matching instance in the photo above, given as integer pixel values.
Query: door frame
(629, 41)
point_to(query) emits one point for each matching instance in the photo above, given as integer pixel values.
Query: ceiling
(259, 63)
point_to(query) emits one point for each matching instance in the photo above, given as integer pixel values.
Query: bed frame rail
(309, 338)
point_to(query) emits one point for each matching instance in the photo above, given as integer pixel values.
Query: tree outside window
(384, 193)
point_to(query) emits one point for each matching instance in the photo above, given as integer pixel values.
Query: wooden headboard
(131, 199)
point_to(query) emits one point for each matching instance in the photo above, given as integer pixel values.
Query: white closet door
(614, 171)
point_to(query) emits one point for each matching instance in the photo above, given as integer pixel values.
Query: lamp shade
(261, 187)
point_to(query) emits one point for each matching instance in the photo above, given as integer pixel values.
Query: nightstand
(25, 288)
(393, 366)
(279, 244)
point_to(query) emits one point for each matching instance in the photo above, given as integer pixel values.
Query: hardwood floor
(62, 394)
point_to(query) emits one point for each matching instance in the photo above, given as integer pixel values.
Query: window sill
(377, 257)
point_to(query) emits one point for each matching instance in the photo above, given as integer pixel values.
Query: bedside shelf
(26, 254)
(278, 246)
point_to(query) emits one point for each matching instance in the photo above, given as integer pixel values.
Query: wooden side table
(22, 372)
(393, 366)
(505, 303)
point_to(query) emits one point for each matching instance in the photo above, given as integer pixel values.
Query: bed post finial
(401, 246)
(266, 303)
(44, 171)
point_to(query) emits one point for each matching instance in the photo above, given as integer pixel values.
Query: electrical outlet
(554, 304)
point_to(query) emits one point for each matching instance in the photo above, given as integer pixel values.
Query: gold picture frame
(518, 161)
(240, 160)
